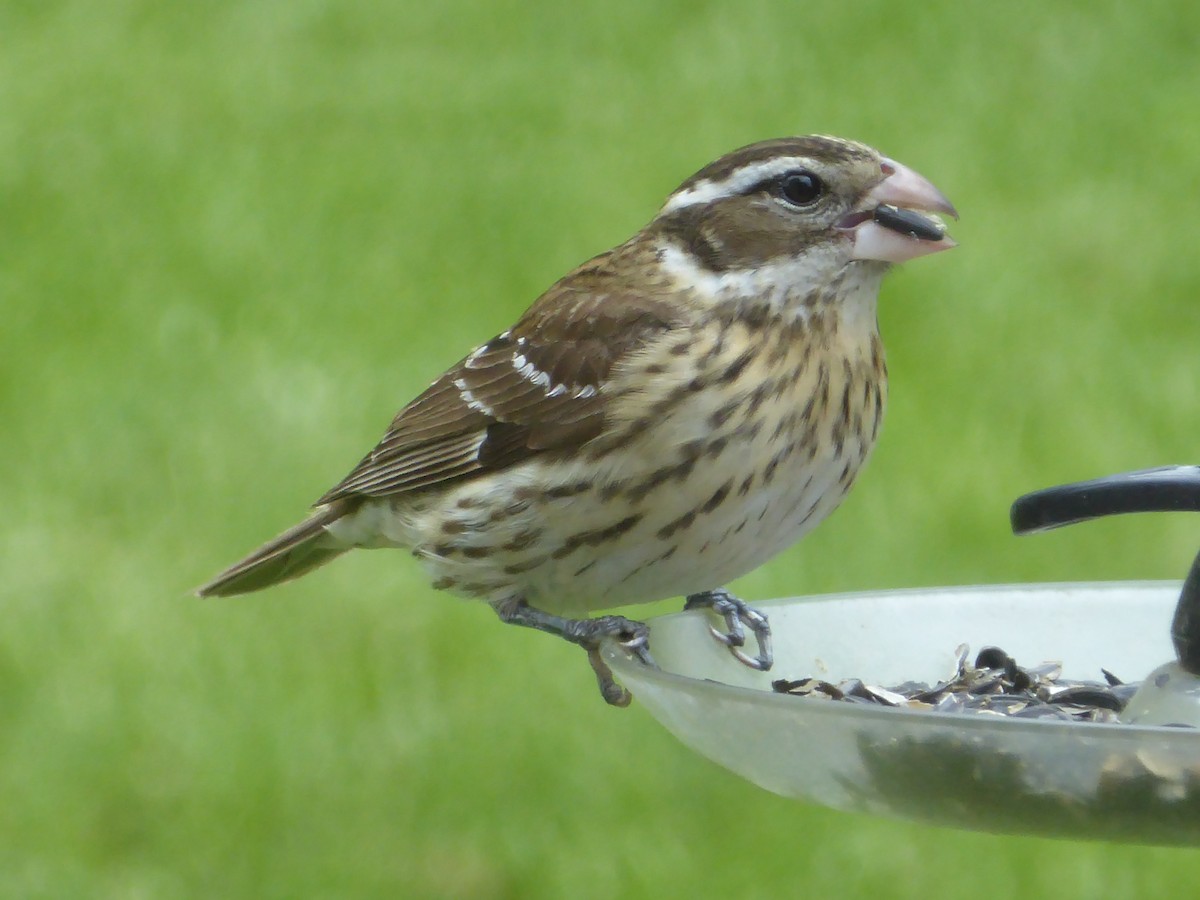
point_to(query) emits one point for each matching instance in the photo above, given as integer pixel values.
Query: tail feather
(298, 550)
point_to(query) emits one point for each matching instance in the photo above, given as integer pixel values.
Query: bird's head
(804, 208)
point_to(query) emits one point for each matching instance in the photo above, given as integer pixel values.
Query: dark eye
(800, 188)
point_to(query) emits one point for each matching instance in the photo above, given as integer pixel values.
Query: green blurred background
(236, 236)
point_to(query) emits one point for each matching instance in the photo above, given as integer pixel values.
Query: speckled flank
(732, 450)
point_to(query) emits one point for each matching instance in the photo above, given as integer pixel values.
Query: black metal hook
(1166, 489)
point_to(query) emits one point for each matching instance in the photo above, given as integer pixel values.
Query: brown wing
(532, 389)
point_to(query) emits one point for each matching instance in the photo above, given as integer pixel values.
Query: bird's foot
(736, 614)
(632, 636)
(587, 633)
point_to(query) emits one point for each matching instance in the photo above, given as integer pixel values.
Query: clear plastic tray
(1081, 780)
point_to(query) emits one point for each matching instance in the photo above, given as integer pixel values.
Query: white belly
(661, 557)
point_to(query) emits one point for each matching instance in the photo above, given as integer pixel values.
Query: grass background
(236, 236)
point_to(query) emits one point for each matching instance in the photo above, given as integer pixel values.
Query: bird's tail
(298, 550)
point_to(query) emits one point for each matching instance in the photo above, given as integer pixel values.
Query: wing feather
(534, 389)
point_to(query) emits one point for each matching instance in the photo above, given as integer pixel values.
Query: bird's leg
(736, 613)
(587, 633)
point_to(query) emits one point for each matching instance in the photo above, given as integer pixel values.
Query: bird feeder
(1134, 778)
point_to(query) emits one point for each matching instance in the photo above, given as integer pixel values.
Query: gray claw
(760, 663)
(639, 646)
(736, 613)
(729, 640)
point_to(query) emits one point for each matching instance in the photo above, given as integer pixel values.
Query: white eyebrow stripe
(738, 182)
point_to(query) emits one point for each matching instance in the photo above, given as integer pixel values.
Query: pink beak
(888, 226)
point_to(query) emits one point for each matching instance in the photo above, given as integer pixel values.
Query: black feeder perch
(1173, 688)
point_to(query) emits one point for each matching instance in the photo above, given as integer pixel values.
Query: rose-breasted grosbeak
(665, 418)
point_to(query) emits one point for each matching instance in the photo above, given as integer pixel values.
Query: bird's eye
(800, 188)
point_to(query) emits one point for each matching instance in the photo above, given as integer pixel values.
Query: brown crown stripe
(837, 152)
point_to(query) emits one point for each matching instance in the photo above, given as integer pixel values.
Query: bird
(663, 419)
